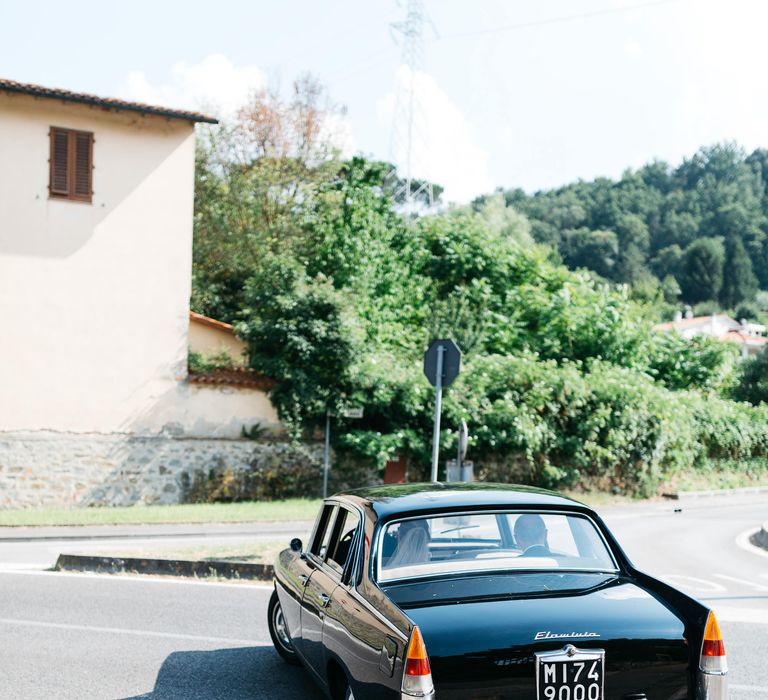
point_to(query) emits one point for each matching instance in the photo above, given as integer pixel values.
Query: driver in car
(531, 535)
(412, 544)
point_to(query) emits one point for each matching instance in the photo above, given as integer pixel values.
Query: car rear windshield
(462, 543)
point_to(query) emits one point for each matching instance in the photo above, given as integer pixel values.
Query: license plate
(570, 674)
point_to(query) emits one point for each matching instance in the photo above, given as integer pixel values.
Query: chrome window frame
(376, 563)
(348, 573)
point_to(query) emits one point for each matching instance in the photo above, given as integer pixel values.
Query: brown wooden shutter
(81, 186)
(59, 162)
(71, 164)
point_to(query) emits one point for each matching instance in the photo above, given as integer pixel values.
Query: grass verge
(291, 509)
(721, 474)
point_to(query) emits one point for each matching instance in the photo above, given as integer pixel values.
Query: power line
(557, 20)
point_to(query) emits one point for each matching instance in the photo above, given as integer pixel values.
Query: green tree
(752, 384)
(301, 334)
(499, 217)
(739, 281)
(255, 176)
(593, 250)
(701, 277)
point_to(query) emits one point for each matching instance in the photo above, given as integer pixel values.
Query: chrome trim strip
(712, 686)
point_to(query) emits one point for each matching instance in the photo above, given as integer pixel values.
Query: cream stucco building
(96, 206)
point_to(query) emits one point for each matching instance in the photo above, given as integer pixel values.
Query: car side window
(340, 545)
(324, 531)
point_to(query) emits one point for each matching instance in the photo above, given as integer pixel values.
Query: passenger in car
(531, 535)
(412, 544)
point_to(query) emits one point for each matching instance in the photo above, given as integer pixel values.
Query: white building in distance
(749, 336)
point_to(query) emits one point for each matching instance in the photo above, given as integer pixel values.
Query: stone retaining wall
(65, 469)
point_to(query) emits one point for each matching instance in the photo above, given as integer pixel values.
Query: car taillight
(713, 649)
(417, 676)
(713, 667)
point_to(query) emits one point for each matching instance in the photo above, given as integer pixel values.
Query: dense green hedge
(561, 424)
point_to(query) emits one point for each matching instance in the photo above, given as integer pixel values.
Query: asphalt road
(26, 548)
(83, 636)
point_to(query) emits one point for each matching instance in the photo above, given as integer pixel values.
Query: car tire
(278, 630)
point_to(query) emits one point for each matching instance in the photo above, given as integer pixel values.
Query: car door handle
(325, 599)
(304, 579)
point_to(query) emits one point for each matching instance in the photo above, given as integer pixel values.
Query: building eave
(32, 90)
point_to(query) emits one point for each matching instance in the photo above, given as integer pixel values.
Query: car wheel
(278, 630)
(348, 694)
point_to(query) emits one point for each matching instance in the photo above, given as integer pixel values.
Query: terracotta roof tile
(105, 102)
(236, 376)
(739, 337)
(212, 322)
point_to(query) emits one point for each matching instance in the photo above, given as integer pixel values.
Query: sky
(511, 93)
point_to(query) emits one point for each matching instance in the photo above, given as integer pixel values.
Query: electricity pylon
(408, 124)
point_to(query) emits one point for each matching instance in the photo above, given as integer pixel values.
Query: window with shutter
(59, 162)
(71, 164)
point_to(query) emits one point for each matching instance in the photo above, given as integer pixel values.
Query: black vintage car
(488, 592)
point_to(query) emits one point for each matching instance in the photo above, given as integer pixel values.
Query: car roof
(402, 499)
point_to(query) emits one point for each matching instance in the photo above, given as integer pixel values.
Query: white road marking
(692, 583)
(251, 586)
(753, 616)
(743, 541)
(743, 582)
(20, 566)
(749, 688)
(135, 633)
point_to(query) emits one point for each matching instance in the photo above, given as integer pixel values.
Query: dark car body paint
(646, 651)
(480, 635)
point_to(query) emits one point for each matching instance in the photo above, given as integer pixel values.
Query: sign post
(349, 412)
(438, 411)
(442, 363)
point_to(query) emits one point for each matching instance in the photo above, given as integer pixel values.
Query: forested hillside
(338, 293)
(696, 233)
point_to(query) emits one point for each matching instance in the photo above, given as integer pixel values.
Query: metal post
(438, 408)
(327, 451)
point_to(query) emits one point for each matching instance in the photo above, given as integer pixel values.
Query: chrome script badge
(565, 635)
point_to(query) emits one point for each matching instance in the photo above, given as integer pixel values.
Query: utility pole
(438, 411)
(408, 126)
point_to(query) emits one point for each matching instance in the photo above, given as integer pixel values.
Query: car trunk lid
(483, 645)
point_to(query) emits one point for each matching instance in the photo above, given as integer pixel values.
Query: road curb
(746, 491)
(165, 567)
(761, 536)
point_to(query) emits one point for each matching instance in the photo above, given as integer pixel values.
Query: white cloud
(633, 48)
(338, 130)
(217, 86)
(444, 148)
(720, 57)
(214, 84)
